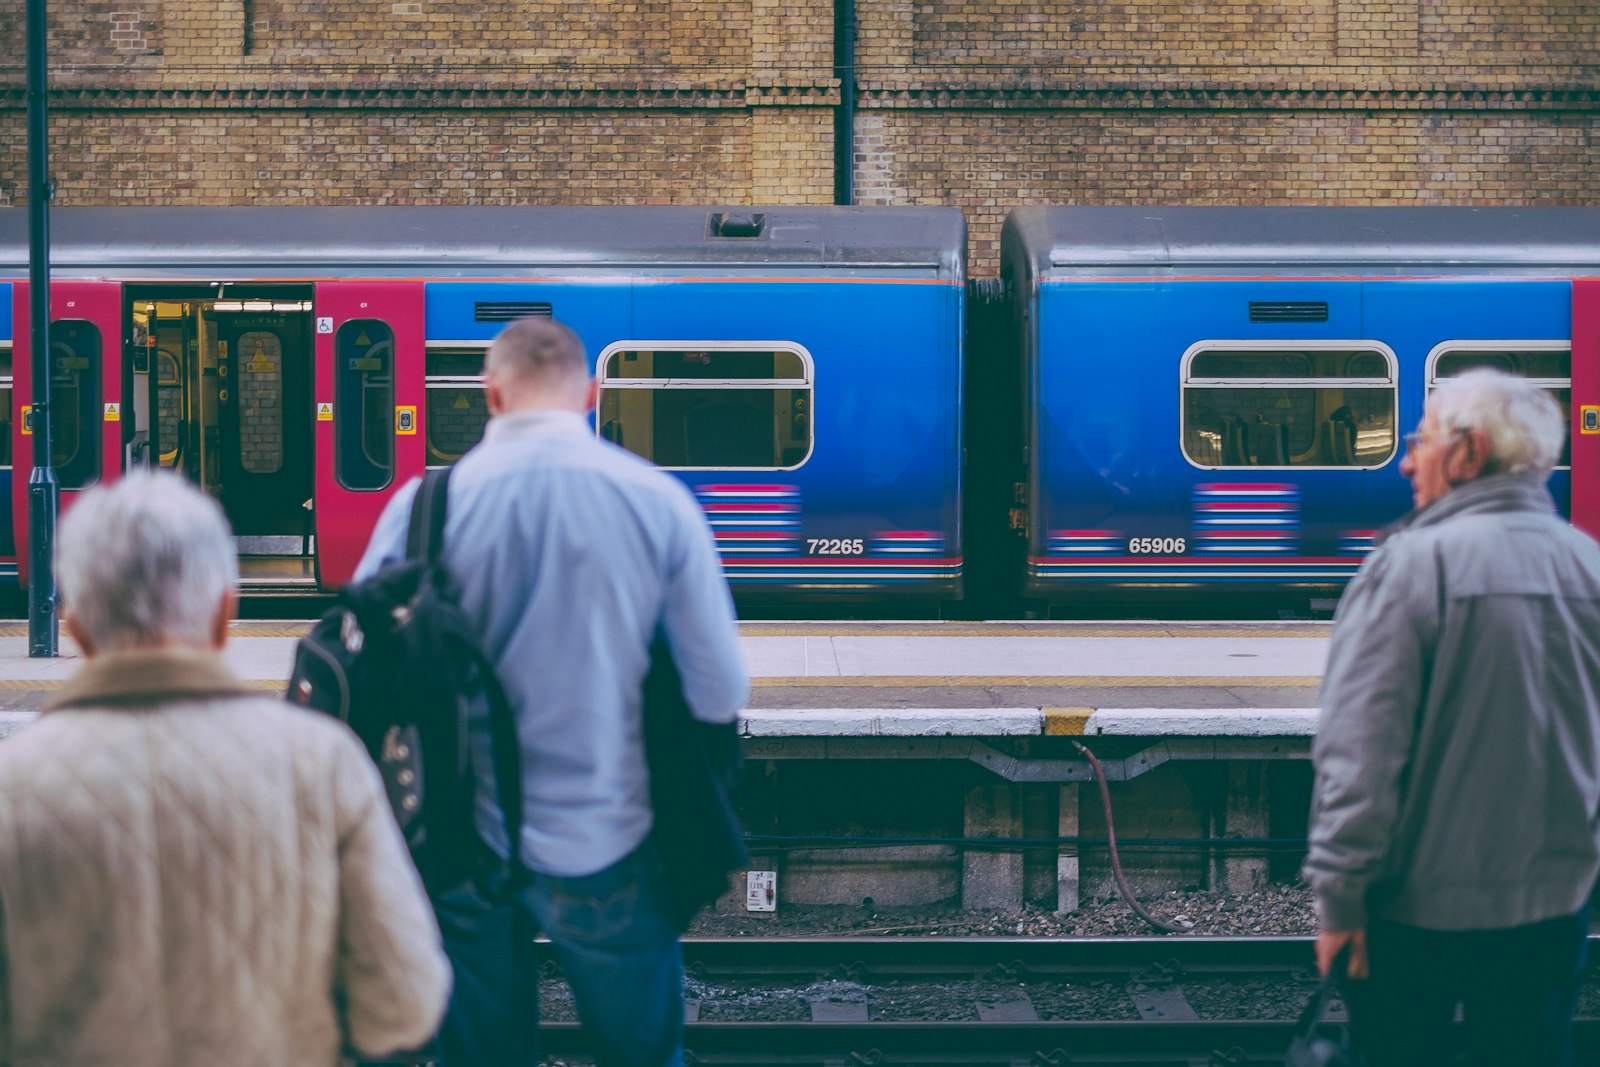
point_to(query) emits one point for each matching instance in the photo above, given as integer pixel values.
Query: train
(1195, 399)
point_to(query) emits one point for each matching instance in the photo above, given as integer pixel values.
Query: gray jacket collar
(1514, 491)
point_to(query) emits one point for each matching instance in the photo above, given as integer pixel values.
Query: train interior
(217, 382)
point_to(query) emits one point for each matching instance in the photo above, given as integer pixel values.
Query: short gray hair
(144, 562)
(1523, 423)
(538, 354)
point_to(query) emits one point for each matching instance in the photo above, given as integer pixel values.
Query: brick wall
(983, 104)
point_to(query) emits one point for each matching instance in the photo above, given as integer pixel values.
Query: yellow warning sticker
(324, 412)
(113, 412)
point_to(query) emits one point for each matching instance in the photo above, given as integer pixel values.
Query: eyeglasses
(1412, 438)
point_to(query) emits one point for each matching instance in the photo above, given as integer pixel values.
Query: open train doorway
(218, 382)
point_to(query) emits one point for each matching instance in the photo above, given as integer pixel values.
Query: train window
(456, 409)
(364, 404)
(5, 406)
(169, 406)
(1288, 405)
(723, 405)
(260, 360)
(75, 402)
(1546, 363)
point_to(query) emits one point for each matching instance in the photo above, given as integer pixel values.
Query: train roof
(494, 239)
(1304, 240)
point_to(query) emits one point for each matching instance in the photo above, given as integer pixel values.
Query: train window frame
(1187, 381)
(448, 381)
(8, 383)
(344, 402)
(807, 382)
(91, 423)
(1481, 344)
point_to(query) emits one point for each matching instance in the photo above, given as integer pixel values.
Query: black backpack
(398, 660)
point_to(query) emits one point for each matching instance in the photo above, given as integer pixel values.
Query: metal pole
(844, 117)
(43, 491)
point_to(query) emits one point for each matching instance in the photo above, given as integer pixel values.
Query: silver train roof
(477, 240)
(1310, 240)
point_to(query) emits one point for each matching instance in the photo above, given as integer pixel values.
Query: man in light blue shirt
(571, 554)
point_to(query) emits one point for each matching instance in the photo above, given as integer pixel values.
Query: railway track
(1185, 1002)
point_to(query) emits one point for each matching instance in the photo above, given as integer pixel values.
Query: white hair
(1523, 423)
(144, 562)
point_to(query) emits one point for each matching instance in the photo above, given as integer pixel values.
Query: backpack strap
(425, 540)
(425, 534)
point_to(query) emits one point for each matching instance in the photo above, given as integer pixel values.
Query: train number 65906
(1158, 546)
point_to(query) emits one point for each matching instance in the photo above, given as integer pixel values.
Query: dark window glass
(1254, 420)
(5, 406)
(260, 361)
(708, 408)
(456, 417)
(455, 362)
(363, 404)
(1549, 365)
(169, 406)
(75, 402)
(1527, 364)
(1263, 363)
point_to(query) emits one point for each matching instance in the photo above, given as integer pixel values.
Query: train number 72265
(835, 546)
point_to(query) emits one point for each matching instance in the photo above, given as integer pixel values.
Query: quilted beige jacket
(192, 874)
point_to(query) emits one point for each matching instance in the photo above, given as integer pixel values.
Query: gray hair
(538, 355)
(1523, 423)
(145, 562)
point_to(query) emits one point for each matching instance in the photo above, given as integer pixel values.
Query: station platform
(979, 725)
(924, 680)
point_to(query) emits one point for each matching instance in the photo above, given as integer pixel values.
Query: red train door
(85, 393)
(1586, 405)
(368, 390)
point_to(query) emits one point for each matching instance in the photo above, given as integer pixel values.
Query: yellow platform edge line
(1066, 722)
(24, 685)
(1042, 681)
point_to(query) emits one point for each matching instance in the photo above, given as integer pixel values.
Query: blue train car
(799, 368)
(1215, 396)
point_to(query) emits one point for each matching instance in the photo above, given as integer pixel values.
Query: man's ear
(225, 613)
(75, 632)
(1468, 459)
(591, 395)
(493, 395)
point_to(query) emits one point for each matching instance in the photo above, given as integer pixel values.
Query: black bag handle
(1312, 1015)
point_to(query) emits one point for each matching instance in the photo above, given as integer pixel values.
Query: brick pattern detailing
(983, 104)
(394, 157)
(791, 155)
(987, 163)
(791, 41)
(983, 33)
(1371, 29)
(85, 32)
(1474, 31)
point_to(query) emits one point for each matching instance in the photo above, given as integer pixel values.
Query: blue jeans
(1517, 988)
(614, 937)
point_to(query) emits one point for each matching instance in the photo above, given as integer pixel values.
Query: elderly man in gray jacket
(1454, 834)
(192, 874)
